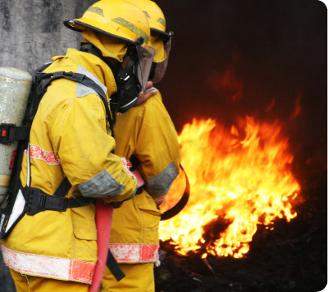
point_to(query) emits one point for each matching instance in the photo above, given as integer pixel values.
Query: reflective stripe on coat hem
(48, 266)
(130, 253)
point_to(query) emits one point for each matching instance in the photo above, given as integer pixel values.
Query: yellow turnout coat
(69, 137)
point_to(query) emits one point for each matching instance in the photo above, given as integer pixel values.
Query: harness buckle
(7, 133)
(35, 202)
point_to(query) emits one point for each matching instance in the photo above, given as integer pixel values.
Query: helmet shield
(145, 60)
(132, 77)
(159, 69)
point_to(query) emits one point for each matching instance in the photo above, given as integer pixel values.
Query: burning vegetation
(244, 228)
(240, 178)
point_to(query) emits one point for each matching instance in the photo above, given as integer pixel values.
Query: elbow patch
(100, 186)
(159, 185)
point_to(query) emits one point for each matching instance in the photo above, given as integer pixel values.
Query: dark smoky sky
(258, 57)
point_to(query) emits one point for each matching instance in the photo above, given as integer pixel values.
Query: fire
(240, 178)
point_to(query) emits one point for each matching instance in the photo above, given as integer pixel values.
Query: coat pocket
(84, 226)
(150, 217)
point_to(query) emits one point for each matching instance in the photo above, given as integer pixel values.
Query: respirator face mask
(158, 70)
(132, 76)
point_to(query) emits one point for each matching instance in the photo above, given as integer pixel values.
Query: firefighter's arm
(157, 148)
(85, 150)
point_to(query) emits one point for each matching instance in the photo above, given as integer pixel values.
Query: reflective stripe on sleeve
(159, 185)
(48, 266)
(101, 185)
(130, 253)
(49, 157)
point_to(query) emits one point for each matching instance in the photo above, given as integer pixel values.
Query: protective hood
(109, 47)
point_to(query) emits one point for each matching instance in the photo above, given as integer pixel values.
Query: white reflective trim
(17, 210)
(82, 90)
(85, 72)
(48, 267)
(129, 103)
(130, 253)
(28, 166)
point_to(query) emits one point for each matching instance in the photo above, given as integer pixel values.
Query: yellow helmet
(160, 39)
(157, 23)
(155, 16)
(114, 18)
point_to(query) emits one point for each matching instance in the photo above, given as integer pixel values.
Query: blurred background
(230, 58)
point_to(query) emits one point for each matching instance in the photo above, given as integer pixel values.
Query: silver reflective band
(87, 73)
(161, 67)
(159, 185)
(82, 90)
(146, 57)
(100, 186)
(129, 103)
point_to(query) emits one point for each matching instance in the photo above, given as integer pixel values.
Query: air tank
(15, 87)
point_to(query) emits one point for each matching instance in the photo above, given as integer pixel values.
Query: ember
(240, 178)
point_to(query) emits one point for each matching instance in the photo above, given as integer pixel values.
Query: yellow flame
(241, 175)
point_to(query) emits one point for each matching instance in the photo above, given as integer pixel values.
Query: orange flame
(241, 176)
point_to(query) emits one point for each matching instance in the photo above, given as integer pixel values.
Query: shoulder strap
(84, 80)
(63, 188)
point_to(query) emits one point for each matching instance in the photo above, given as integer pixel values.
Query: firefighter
(147, 134)
(70, 160)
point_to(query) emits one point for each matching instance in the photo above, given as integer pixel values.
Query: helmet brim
(165, 36)
(79, 26)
